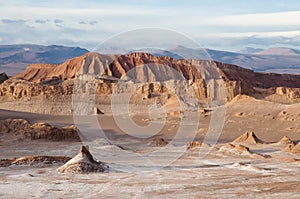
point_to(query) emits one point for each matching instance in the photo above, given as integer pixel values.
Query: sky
(218, 24)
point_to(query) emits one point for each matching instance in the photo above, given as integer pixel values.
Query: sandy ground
(137, 173)
(218, 175)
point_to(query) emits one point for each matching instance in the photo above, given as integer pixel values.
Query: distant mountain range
(277, 60)
(15, 58)
(249, 50)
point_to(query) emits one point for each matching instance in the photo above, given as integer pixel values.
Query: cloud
(72, 23)
(41, 21)
(49, 34)
(258, 19)
(93, 22)
(261, 34)
(239, 42)
(50, 12)
(58, 21)
(88, 22)
(13, 21)
(30, 27)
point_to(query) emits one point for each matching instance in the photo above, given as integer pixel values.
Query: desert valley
(219, 130)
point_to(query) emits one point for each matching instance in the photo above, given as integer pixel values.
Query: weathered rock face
(22, 129)
(21, 95)
(52, 85)
(14, 126)
(255, 79)
(291, 93)
(67, 70)
(18, 89)
(253, 83)
(3, 77)
(148, 68)
(36, 72)
(83, 163)
(144, 67)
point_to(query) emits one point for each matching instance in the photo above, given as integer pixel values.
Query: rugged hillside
(95, 63)
(51, 85)
(255, 79)
(160, 68)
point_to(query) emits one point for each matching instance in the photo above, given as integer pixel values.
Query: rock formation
(240, 150)
(248, 138)
(293, 148)
(194, 144)
(22, 129)
(34, 161)
(158, 141)
(285, 140)
(97, 111)
(3, 77)
(253, 79)
(149, 68)
(83, 163)
(53, 84)
(18, 89)
(289, 147)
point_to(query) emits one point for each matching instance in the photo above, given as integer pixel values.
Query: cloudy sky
(219, 24)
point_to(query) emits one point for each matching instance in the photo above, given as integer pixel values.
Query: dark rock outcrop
(3, 77)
